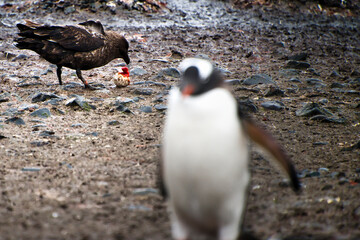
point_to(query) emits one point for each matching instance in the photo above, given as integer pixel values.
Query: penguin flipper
(268, 142)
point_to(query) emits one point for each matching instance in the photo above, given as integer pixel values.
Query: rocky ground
(81, 164)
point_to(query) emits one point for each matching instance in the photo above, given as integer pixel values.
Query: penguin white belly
(205, 164)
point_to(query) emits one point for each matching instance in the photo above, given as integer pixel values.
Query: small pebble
(160, 107)
(144, 91)
(258, 79)
(273, 105)
(41, 113)
(114, 123)
(146, 109)
(31, 169)
(15, 120)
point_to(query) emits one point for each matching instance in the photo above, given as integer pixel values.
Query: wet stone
(146, 109)
(79, 125)
(160, 107)
(11, 112)
(28, 107)
(47, 133)
(312, 109)
(145, 191)
(42, 96)
(324, 118)
(20, 57)
(37, 126)
(273, 105)
(323, 101)
(298, 57)
(315, 82)
(39, 143)
(171, 72)
(57, 110)
(297, 65)
(15, 120)
(258, 79)
(138, 71)
(31, 169)
(41, 113)
(123, 101)
(114, 123)
(79, 101)
(72, 85)
(122, 108)
(144, 91)
(295, 80)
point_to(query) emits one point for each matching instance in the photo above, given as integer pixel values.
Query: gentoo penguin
(205, 155)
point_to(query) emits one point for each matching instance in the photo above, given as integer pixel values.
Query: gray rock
(31, 169)
(323, 101)
(15, 120)
(273, 105)
(138, 71)
(123, 101)
(171, 72)
(20, 57)
(298, 57)
(160, 107)
(315, 82)
(42, 96)
(150, 83)
(122, 108)
(37, 126)
(79, 125)
(72, 85)
(258, 79)
(324, 118)
(312, 109)
(79, 101)
(144, 91)
(41, 113)
(26, 107)
(12, 112)
(39, 143)
(297, 65)
(145, 191)
(47, 133)
(146, 109)
(295, 80)
(114, 123)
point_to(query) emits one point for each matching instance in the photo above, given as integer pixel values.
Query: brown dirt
(85, 186)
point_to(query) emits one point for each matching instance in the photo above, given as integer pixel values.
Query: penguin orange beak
(188, 90)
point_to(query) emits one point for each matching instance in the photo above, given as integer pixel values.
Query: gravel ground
(90, 173)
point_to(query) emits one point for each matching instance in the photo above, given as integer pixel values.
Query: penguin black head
(198, 76)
